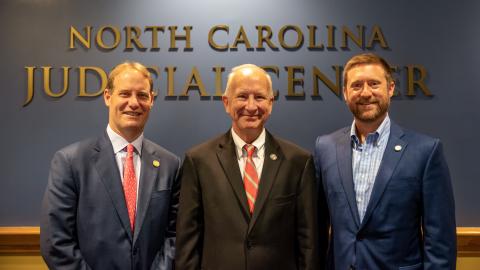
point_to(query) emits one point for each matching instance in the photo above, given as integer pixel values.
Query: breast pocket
(284, 200)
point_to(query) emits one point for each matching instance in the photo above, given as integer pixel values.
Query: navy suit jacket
(410, 219)
(84, 222)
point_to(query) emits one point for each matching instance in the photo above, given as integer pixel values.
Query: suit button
(135, 251)
(249, 244)
(360, 237)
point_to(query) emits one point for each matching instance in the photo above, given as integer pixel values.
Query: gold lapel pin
(273, 157)
(156, 163)
(398, 148)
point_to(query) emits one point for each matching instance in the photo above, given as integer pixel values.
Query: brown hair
(128, 65)
(365, 59)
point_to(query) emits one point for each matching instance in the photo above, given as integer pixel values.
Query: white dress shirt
(258, 155)
(120, 150)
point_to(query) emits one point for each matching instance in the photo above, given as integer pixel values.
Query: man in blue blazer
(95, 213)
(388, 189)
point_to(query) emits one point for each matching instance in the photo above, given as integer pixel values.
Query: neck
(363, 128)
(128, 135)
(249, 135)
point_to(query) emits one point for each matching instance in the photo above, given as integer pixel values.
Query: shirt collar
(259, 143)
(119, 143)
(378, 136)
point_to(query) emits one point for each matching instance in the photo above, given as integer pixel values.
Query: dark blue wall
(442, 36)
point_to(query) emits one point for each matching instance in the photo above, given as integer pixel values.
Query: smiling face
(367, 92)
(129, 103)
(248, 101)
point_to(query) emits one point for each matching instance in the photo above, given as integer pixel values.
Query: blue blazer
(410, 219)
(84, 221)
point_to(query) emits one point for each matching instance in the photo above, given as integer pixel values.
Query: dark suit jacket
(85, 224)
(410, 219)
(214, 226)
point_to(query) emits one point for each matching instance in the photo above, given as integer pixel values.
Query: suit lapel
(104, 160)
(269, 174)
(390, 159)
(148, 177)
(228, 160)
(344, 159)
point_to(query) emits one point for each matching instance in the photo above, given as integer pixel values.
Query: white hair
(235, 70)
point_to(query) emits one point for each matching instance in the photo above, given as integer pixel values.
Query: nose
(251, 103)
(133, 102)
(366, 90)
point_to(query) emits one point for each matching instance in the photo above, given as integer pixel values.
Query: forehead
(249, 81)
(365, 72)
(130, 76)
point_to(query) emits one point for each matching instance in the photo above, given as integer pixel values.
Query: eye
(143, 96)
(356, 86)
(374, 84)
(241, 97)
(124, 93)
(260, 98)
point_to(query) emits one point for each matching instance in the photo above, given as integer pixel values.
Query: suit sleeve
(439, 229)
(58, 237)
(307, 220)
(166, 258)
(190, 219)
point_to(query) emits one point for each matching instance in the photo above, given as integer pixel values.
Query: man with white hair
(249, 199)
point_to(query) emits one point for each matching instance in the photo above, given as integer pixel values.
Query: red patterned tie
(130, 185)
(250, 177)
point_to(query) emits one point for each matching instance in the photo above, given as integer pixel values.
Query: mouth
(133, 114)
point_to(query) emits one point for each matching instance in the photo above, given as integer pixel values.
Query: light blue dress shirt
(366, 159)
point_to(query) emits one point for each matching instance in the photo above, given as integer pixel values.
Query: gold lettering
(170, 80)
(312, 45)
(214, 44)
(358, 40)
(265, 39)
(30, 85)
(318, 75)
(241, 38)
(82, 91)
(331, 37)
(155, 30)
(75, 35)
(197, 85)
(174, 37)
(377, 36)
(116, 37)
(46, 82)
(292, 81)
(218, 80)
(412, 82)
(281, 37)
(133, 38)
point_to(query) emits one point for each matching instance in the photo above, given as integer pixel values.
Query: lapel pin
(398, 148)
(273, 157)
(156, 163)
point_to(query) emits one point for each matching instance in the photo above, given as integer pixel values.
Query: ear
(391, 88)
(344, 91)
(225, 103)
(107, 96)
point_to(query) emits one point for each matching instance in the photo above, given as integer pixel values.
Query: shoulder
(416, 140)
(78, 149)
(331, 138)
(159, 151)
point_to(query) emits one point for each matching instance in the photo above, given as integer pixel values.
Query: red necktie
(250, 177)
(130, 185)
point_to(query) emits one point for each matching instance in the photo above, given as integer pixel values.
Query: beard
(380, 108)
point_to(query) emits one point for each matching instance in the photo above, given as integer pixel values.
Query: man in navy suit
(388, 189)
(111, 201)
